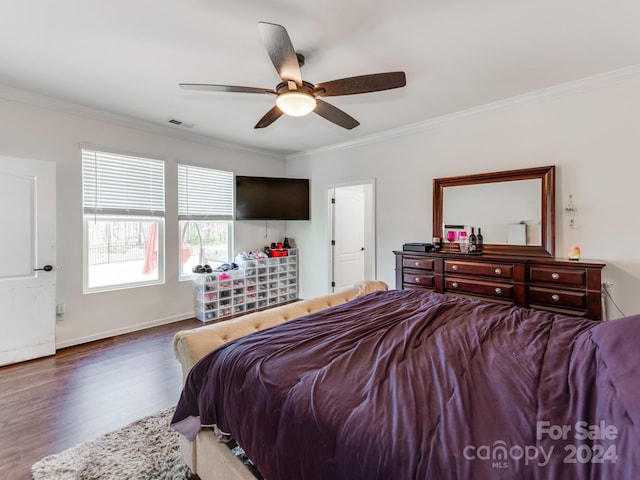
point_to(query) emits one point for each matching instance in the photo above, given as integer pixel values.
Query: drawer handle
(555, 297)
(454, 267)
(498, 271)
(498, 290)
(555, 276)
(454, 284)
(417, 264)
(417, 279)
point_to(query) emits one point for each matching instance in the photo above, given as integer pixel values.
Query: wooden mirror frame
(548, 200)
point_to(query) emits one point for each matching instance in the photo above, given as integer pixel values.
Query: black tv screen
(272, 198)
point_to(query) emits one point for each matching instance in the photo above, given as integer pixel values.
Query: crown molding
(50, 103)
(557, 91)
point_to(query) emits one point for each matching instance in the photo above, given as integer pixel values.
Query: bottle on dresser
(479, 241)
(473, 241)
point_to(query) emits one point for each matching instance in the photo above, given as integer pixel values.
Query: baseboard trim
(121, 331)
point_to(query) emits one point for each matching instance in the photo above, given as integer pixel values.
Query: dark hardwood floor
(54, 403)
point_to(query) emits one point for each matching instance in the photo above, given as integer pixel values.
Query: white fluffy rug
(145, 449)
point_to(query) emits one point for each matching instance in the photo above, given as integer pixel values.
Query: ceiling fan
(296, 97)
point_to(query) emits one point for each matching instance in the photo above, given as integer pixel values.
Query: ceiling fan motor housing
(306, 87)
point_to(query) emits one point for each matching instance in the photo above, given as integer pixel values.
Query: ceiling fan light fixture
(296, 97)
(296, 104)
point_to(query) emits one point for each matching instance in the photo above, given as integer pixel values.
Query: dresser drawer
(560, 298)
(418, 278)
(569, 277)
(418, 262)
(489, 289)
(479, 268)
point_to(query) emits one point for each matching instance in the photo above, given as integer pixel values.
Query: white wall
(591, 132)
(52, 134)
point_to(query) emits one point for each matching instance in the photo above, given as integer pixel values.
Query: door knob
(46, 268)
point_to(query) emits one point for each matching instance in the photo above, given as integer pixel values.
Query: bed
(408, 384)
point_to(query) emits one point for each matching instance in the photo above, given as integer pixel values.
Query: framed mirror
(515, 209)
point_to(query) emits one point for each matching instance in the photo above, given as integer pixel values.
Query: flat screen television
(272, 198)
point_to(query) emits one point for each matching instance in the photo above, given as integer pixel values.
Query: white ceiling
(128, 56)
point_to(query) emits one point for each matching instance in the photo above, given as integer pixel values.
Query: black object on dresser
(563, 286)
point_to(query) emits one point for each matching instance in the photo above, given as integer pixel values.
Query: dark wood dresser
(563, 286)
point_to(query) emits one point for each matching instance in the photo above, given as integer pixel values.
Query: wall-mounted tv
(272, 198)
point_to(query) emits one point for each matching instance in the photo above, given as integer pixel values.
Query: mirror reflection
(514, 208)
(508, 213)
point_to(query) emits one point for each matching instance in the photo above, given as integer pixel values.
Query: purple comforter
(415, 385)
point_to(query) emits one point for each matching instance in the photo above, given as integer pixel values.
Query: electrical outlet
(607, 285)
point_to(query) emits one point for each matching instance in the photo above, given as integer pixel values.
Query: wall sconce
(570, 210)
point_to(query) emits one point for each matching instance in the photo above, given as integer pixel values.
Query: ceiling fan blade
(374, 82)
(335, 115)
(224, 88)
(269, 117)
(280, 49)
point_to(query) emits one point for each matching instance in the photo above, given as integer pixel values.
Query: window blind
(122, 185)
(204, 193)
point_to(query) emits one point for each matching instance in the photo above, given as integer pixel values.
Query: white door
(349, 236)
(27, 244)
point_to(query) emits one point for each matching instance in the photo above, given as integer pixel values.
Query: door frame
(370, 239)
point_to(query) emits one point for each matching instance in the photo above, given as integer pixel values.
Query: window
(205, 213)
(123, 203)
